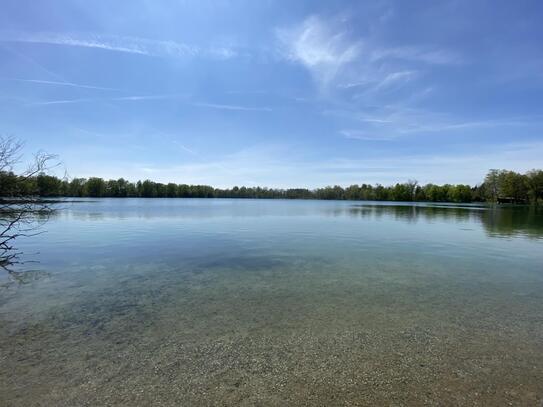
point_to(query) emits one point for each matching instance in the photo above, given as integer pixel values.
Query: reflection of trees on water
(414, 213)
(497, 221)
(514, 221)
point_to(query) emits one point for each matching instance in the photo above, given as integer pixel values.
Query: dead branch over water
(22, 212)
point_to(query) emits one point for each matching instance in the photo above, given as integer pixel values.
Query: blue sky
(276, 93)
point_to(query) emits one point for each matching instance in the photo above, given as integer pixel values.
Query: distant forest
(498, 186)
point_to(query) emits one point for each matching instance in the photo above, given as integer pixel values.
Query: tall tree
(512, 185)
(492, 182)
(534, 182)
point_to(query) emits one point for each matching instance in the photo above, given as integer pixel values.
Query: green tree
(148, 189)
(459, 193)
(123, 187)
(171, 190)
(112, 188)
(96, 187)
(512, 185)
(161, 190)
(48, 185)
(420, 194)
(131, 189)
(183, 191)
(492, 185)
(534, 182)
(9, 184)
(402, 192)
(381, 193)
(77, 187)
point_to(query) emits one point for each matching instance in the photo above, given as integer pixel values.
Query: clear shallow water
(244, 302)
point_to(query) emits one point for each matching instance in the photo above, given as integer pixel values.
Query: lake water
(269, 302)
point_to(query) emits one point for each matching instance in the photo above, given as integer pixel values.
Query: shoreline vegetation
(499, 186)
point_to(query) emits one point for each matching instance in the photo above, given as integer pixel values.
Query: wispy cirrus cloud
(354, 134)
(58, 83)
(232, 107)
(319, 47)
(148, 97)
(125, 44)
(134, 98)
(334, 55)
(62, 102)
(186, 149)
(392, 122)
(378, 86)
(420, 54)
(395, 78)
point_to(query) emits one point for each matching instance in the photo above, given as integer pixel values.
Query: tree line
(498, 186)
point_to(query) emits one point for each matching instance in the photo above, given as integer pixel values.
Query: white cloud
(377, 85)
(232, 107)
(146, 97)
(185, 148)
(138, 98)
(413, 53)
(394, 121)
(131, 45)
(334, 55)
(61, 102)
(58, 83)
(395, 78)
(357, 84)
(364, 135)
(111, 99)
(319, 47)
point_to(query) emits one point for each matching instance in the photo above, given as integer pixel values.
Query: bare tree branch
(10, 152)
(23, 212)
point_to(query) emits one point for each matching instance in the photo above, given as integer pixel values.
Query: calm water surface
(269, 302)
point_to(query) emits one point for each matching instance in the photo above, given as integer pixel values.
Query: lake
(272, 302)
